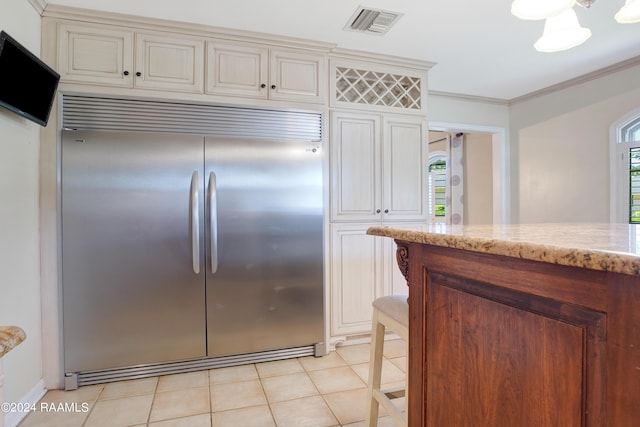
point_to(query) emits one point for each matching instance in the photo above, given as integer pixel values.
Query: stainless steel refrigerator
(179, 247)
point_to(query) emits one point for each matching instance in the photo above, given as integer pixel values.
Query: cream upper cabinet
(117, 56)
(240, 69)
(297, 76)
(96, 55)
(378, 167)
(237, 69)
(169, 63)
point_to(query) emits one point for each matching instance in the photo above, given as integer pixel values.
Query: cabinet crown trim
(379, 59)
(54, 11)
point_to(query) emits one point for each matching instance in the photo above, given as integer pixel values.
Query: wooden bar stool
(390, 312)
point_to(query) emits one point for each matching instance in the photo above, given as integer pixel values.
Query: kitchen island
(522, 325)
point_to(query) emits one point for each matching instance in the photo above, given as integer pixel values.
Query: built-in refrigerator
(181, 248)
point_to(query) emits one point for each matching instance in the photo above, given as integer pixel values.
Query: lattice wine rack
(378, 88)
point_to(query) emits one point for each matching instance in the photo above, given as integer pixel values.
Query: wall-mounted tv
(27, 85)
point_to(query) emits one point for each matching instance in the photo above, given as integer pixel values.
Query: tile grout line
(84, 423)
(322, 395)
(210, 383)
(153, 400)
(335, 416)
(273, 417)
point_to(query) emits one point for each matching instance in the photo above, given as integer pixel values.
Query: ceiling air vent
(372, 21)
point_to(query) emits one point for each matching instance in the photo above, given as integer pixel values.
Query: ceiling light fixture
(630, 12)
(540, 9)
(561, 29)
(562, 32)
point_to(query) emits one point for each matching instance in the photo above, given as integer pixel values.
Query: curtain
(456, 158)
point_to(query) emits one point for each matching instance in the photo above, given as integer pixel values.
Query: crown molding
(612, 69)
(472, 98)
(603, 72)
(38, 5)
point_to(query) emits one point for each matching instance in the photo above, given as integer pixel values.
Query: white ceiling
(479, 48)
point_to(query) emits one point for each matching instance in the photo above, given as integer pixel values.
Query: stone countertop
(10, 337)
(604, 247)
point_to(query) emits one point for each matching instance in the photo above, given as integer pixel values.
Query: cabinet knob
(138, 74)
(263, 85)
(377, 210)
(386, 211)
(125, 72)
(273, 86)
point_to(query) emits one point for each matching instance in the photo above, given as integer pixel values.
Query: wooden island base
(497, 340)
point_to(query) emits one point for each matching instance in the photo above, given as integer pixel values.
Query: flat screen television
(27, 85)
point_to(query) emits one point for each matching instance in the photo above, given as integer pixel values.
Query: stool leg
(375, 370)
(406, 383)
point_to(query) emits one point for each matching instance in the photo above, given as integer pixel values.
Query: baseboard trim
(12, 419)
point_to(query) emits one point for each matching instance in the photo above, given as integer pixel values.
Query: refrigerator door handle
(213, 221)
(195, 223)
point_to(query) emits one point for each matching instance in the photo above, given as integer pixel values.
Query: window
(631, 131)
(437, 189)
(634, 185)
(625, 170)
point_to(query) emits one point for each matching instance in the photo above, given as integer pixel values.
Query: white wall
(560, 149)
(19, 241)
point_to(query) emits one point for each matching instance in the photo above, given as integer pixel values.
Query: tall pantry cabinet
(378, 172)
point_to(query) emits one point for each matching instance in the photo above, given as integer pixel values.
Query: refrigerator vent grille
(145, 371)
(98, 113)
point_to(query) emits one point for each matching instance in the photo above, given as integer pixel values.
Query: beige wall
(478, 179)
(558, 145)
(560, 149)
(467, 111)
(19, 241)
(479, 116)
(478, 174)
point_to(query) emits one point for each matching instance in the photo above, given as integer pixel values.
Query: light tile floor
(313, 392)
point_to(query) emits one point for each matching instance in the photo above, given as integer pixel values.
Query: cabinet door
(297, 76)
(404, 169)
(356, 278)
(355, 167)
(96, 55)
(169, 63)
(237, 69)
(509, 358)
